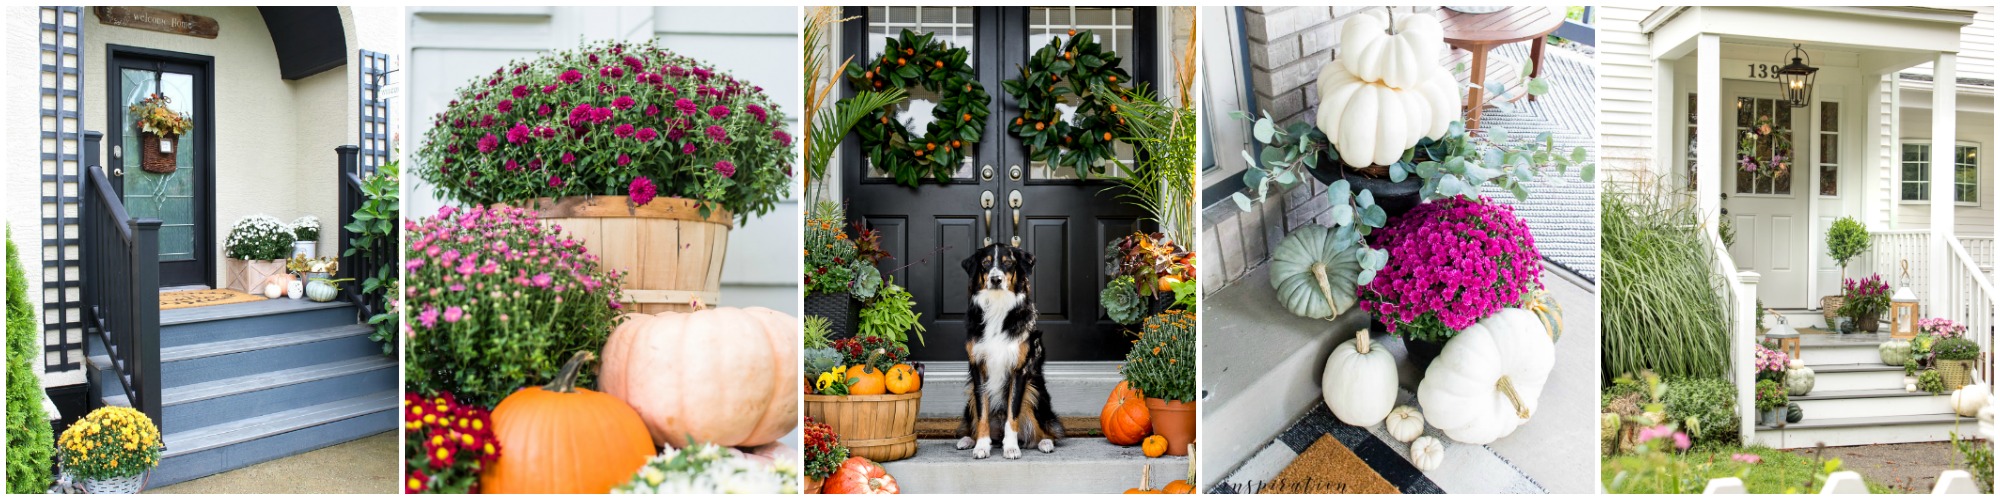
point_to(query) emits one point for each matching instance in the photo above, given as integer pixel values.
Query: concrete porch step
(208, 361)
(1874, 403)
(1856, 376)
(230, 445)
(1079, 465)
(1077, 388)
(1812, 431)
(196, 325)
(190, 406)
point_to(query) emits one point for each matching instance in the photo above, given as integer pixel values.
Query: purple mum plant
(1451, 263)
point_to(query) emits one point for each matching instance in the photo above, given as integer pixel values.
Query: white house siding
(450, 45)
(1625, 87)
(1974, 128)
(1975, 56)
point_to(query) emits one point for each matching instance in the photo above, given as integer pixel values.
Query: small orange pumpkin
(1183, 486)
(864, 380)
(1145, 482)
(560, 438)
(1125, 419)
(903, 379)
(1154, 446)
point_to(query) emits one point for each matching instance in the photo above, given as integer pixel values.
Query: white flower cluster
(306, 228)
(706, 469)
(258, 237)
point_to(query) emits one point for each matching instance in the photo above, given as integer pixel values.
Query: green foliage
(1706, 408)
(1776, 471)
(30, 440)
(867, 282)
(1162, 181)
(1978, 456)
(1958, 348)
(1077, 67)
(1161, 363)
(829, 254)
(957, 122)
(891, 315)
(1932, 382)
(817, 331)
(1771, 394)
(1662, 302)
(1122, 302)
(1846, 239)
(821, 360)
(375, 228)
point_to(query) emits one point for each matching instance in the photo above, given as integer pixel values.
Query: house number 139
(1765, 71)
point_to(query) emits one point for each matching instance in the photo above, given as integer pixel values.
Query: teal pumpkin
(1313, 277)
(1793, 414)
(1895, 352)
(1799, 381)
(321, 291)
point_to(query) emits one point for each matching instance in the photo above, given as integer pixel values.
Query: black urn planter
(1395, 198)
(1422, 352)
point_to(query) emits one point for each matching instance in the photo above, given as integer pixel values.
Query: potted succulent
(306, 232)
(1428, 292)
(111, 450)
(1161, 367)
(160, 129)
(1863, 302)
(616, 141)
(1847, 239)
(823, 453)
(257, 247)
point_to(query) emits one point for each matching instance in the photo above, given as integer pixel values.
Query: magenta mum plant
(615, 119)
(1451, 263)
(498, 301)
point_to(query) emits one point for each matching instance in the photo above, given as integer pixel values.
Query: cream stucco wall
(21, 155)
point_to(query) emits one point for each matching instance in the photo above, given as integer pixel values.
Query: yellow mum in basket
(110, 442)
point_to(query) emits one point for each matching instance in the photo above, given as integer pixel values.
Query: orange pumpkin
(560, 438)
(859, 475)
(1125, 418)
(864, 380)
(903, 379)
(1183, 486)
(722, 376)
(1154, 446)
(1145, 482)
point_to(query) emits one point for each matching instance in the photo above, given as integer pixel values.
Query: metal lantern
(1903, 314)
(1796, 79)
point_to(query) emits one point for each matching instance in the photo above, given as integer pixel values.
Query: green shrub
(1662, 303)
(1956, 349)
(1706, 408)
(30, 441)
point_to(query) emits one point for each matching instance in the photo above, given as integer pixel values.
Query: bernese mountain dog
(1006, 396)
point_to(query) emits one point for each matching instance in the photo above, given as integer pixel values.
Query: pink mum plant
(1451, 263)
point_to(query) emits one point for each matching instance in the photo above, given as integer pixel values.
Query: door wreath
(957, 121)
(1086, 137)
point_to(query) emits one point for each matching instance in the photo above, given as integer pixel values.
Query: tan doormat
(198, 298)
(1328, 467)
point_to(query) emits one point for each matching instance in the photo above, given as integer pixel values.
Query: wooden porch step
(179, 327)
(208, 361)
(234, 444)
(191, 406)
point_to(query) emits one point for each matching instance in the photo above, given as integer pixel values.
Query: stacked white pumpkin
(1384, 94)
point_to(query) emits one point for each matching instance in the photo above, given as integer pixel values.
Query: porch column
(1708, 131)
(1944, 141)
(1666, 125)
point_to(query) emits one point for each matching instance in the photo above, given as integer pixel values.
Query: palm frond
(833, 126)
(1162, 181)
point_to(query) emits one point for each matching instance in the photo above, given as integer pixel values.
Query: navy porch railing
(121, 284)
(364, 262)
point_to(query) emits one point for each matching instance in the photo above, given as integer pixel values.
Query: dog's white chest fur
(995, 347)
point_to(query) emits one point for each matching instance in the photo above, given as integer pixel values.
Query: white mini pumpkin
(1359, 384)
(1427, 453)
(1405, 423)
(1966, 401)
(1401, 54)
(1489, 377)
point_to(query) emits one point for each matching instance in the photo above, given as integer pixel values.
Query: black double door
(1063, 218)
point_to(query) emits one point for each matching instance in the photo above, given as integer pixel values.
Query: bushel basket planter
(881, 427)
(670, 254)
(152, 159)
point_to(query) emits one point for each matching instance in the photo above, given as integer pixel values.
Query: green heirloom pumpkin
(1313, 278)
(1546, 308)
(1793, 414)
(1799, 380)
(1895, 352)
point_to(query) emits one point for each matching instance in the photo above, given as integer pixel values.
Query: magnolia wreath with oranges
(918, 60)
(1083, 138)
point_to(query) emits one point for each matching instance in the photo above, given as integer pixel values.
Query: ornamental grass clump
(110, 442)
(1663, 303)
(613, 119)
(259, 237)
(446, 444)
(1451, 263)
(1162, 360)
(496, 300)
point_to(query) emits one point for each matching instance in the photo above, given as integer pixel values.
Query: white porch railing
(1740, 296)
(1970, 294)
(1981, 250)
(1888, 251)
(1971, 303)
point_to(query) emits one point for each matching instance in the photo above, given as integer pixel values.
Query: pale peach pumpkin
(725, 376)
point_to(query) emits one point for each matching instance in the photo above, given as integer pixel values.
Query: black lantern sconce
(1796, 79)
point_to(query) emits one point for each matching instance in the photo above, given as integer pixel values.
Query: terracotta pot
(1173, 420)
(813, 485)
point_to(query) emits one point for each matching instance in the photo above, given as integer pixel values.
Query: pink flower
(453, 314)
(512, 166)
(718, 112)
(550, 88)
(783, 138)
(568, 158)
(647, 134)
(429, 318)
(624, 159)
(518, 134)
(757, 111)
(687, 107)
(543, 110)
(488, 143)
(623, 102)
(544, 280)
(571, 76)
(687, 148)
(1681, 441)
(1748, 458)
(652, 110)
(717, 134)
(641, 191)
(555, 181)
(725, 168)
(623, 130)
(520, 91)
(1454, 262)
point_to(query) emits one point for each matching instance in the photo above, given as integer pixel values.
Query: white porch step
(1839, 353)
(1856, 377)
(1797, 318)
(1865, 430)
(1871, 403)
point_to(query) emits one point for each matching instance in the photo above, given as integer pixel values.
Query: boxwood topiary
(1711, 405)
(30, 441)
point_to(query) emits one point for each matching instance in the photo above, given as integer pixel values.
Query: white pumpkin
(1427, 453)
(1372, 123)
(1400, 54)
(1360, 381)
(1488, 379)
(1405, 423)
(1967, 401)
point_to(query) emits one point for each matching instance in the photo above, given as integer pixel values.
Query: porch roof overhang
(1887, 39)
(310, 40)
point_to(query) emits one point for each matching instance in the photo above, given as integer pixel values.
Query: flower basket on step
(1956, 373)
(156, 153)
(881, 427)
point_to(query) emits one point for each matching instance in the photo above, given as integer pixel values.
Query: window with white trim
(1917, 174)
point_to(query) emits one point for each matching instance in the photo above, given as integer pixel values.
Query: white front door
(1766, 202)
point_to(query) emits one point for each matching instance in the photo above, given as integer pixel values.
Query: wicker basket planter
(1956, 373)
(882, 427)
(671, 255)
(151, 159)
(126, 485)
(1828, 306)
(839, 310)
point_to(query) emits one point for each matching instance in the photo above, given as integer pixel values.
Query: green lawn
(1779, 472)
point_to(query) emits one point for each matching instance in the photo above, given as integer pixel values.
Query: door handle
(117, 172)
(1014, 202)
(986, 203)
